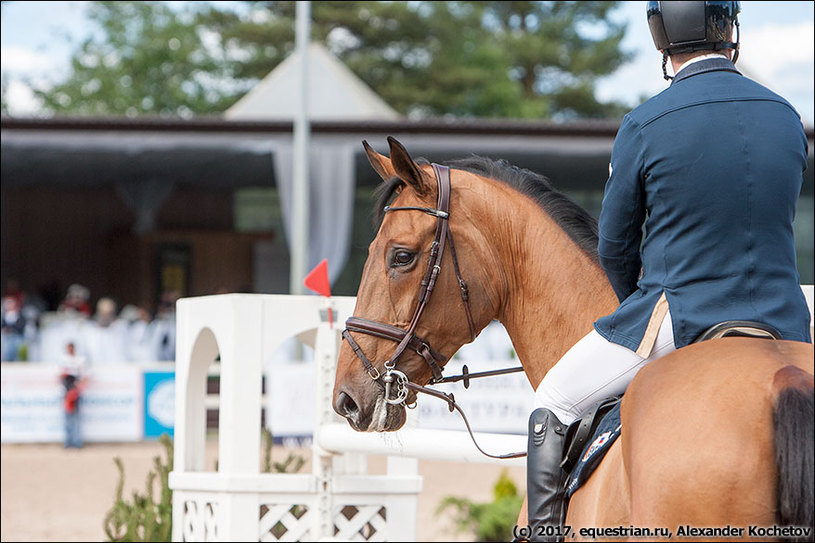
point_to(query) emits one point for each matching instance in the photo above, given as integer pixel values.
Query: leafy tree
(497, 59)
(148, 59)
(553, 55)
(503, 59)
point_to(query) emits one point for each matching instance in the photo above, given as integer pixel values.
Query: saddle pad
(607, 431)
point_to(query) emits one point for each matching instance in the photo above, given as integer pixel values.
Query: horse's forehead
(395, 222)
(409, 196)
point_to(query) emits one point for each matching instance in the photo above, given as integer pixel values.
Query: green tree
(147, 59)
(558, 50)
(502, 59)
(495, 59)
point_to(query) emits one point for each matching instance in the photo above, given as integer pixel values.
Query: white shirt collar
(699, 59)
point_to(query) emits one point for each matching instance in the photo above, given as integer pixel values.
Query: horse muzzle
(378, 415)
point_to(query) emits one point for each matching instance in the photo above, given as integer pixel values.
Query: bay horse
(716, 434)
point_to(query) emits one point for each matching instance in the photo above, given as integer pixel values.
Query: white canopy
(335, 93)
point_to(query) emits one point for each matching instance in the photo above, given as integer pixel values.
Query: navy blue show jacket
(712, 167)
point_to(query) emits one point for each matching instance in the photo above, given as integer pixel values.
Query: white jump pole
(423, 443)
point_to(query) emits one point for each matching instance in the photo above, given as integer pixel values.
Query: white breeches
(595, 369)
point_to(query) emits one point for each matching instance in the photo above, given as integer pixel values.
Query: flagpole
(302, 133)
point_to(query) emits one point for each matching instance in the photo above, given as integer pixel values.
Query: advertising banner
(31, 406)
(290, 400)
(159, 403)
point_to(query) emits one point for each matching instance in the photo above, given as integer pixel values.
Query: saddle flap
(601, 441)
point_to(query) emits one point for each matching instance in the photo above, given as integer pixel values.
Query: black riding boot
(545, 479)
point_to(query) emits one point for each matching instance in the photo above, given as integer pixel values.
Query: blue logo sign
(159, 403)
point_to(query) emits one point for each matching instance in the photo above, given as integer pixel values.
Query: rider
(712, 167)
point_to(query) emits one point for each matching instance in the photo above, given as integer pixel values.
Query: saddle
(739, 329)
(588, 439)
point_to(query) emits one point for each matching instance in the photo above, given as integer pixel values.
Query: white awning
(335, 93)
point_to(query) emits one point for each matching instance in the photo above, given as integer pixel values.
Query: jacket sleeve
(623, 212)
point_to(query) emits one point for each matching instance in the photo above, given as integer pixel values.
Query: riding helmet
(682, 27)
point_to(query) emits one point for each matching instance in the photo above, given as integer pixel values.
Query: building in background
(134, 208)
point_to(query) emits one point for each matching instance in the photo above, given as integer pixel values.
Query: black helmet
(682, 27)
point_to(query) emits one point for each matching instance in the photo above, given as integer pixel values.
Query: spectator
(105, 312)
(139, 345)
(77, 301)
(73, 381)
(131, 336)
(13, 290)
(105, 337)
(164, 326)
(13, 330)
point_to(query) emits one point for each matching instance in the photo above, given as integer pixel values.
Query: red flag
(317, 279)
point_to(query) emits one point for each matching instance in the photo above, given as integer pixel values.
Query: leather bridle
(408, 338)
(395, 382)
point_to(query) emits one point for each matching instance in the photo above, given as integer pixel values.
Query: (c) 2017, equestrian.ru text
(566, 532)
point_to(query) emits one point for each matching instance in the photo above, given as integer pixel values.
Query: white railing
(422, 443)
(338, 500)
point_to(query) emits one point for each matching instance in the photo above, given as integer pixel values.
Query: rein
(396, 383)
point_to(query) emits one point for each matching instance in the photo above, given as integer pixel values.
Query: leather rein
(395, 382)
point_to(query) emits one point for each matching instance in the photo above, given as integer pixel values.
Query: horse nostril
(346, 406)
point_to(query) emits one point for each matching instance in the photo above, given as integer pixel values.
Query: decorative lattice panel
(200, 521)
(360, 523)
(283, 522)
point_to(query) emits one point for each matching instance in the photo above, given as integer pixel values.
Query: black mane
(578, 224)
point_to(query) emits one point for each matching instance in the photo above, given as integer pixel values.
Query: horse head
(394, 284)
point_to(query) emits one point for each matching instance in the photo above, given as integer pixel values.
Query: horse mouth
(386, 417)
(382, 417)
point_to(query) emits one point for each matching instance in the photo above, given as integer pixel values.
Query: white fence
(338, 500)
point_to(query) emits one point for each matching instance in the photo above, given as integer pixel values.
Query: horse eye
(402, 258)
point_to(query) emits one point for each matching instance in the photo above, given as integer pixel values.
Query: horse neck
(553, 291)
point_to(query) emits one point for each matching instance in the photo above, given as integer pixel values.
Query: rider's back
(721, 158)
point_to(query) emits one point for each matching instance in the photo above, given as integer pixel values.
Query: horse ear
(380, 163)
(406, 169)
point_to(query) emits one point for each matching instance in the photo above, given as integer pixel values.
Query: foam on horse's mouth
(379, 417)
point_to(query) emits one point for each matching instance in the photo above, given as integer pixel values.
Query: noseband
(396, 383)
